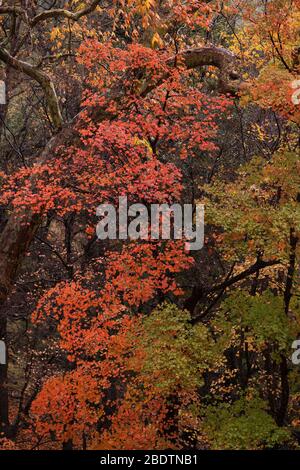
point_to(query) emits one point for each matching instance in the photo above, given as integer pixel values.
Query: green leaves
(176, 350)
(261, 317)
(245, 424)
(256, 212)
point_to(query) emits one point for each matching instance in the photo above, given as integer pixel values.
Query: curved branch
(58, 12)
(54, 13)
(30, 70)
(42, 79)
(199, 293)
(219, 57)
(12, 11)
(207, 55)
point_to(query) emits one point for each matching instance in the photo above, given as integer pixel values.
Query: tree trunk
(284, 371)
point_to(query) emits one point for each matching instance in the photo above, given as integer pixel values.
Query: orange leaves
(72, 404)
(143, 269)
(194, 14)
(274, 90)
(138, 424)
(104, 345)
(7, 444)
(65, 406)
(129, 143)
(76, 312)
(38, 188)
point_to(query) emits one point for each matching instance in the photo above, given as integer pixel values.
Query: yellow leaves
(80, 6)
(260, 133)
(59, 35)
(251, 343)
(245, 98)
(55, 34)
(145, 9)
(144, 6)
(143, 142)
(156, 41)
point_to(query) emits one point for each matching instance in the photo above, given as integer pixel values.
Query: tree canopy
(143, 344)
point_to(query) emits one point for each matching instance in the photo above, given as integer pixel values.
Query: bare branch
(42, 79)
(200, 293)
(33, 72)
(12, 11)
(60, 12)
(54, 13)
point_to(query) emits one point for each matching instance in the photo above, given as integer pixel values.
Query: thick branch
(218, 57)
(12, 10)
(54, 13)
(42, 79)
(291, 270)
(207, 55)
(200, 293)
(260, 264)
(225, 61)
(60, 12)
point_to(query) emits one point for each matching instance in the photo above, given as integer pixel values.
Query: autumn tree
(140, 344)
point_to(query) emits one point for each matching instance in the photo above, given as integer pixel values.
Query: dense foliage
(142, 344)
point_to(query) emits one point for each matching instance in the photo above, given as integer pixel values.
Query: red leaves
(38, 188)
(141, 270)
(66, 406)
(133, 152)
